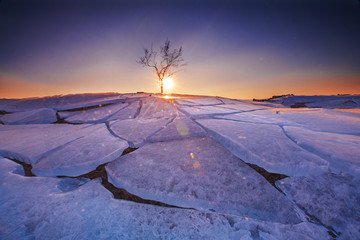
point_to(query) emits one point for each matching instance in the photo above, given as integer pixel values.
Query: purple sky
(239, 49)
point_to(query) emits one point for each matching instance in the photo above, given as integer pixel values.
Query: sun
(168, 83)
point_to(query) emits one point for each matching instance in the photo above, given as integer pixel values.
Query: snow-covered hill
(142, 166)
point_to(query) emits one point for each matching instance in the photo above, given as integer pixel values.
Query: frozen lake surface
(139, 166)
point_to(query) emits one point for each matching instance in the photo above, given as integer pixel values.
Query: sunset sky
(238, 49)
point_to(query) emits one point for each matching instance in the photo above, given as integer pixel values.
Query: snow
(198, 173)
(342, 101)
(40, 116)
(193, 152)
(264, 145)
(36, 208)
(60, 149)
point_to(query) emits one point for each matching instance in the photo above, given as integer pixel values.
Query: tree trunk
(161, 86)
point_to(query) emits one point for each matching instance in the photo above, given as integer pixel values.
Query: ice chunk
(157, 108)
(28, 143)
(137, 131)
(203, 111)
(60, 149)
(96, 115)
(35, 208)
(264, 145)
(91, 103)
(82, 155)
(333, 199)
(180, 128)
(324, 120)
(271, 116)
(127, 113)
(224, 109)
(58, 102)
(38, 116)
(199, 173)
(342, 151)
(199, 101)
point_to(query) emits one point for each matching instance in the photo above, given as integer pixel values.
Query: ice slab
(342, 151)
(36, 208)
(270, 116)
(28, 143)
(196, 111)
(264, 145)
(326, 120)
(127, 113)
(199, 173)
(38, 116)
(199, 101)
(91, 103)
(96, 115)
(180, 128)
(224, 109)
(60, 149)
(333, 199)
(138, 130)
(157, 108)
(56, 102)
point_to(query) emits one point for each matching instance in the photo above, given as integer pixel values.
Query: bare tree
(163, 64)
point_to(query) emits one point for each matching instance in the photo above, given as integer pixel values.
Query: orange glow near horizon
(245, 89)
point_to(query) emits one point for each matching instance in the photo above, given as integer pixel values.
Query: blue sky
(239, 49)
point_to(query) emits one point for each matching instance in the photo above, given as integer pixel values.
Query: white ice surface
(96, 115)
(60, 149)
(137, 131)
(182, 127)
(264, 145)
(270, 116)
(326, 120)
(199, 101)
(92, 102)
(36, 208)
(333, 199)
(342, 151)
(196, 111)
(38, 116)
(127, 113)
(157, 108)
(57, 102)
(199, 173)
(304, 143)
